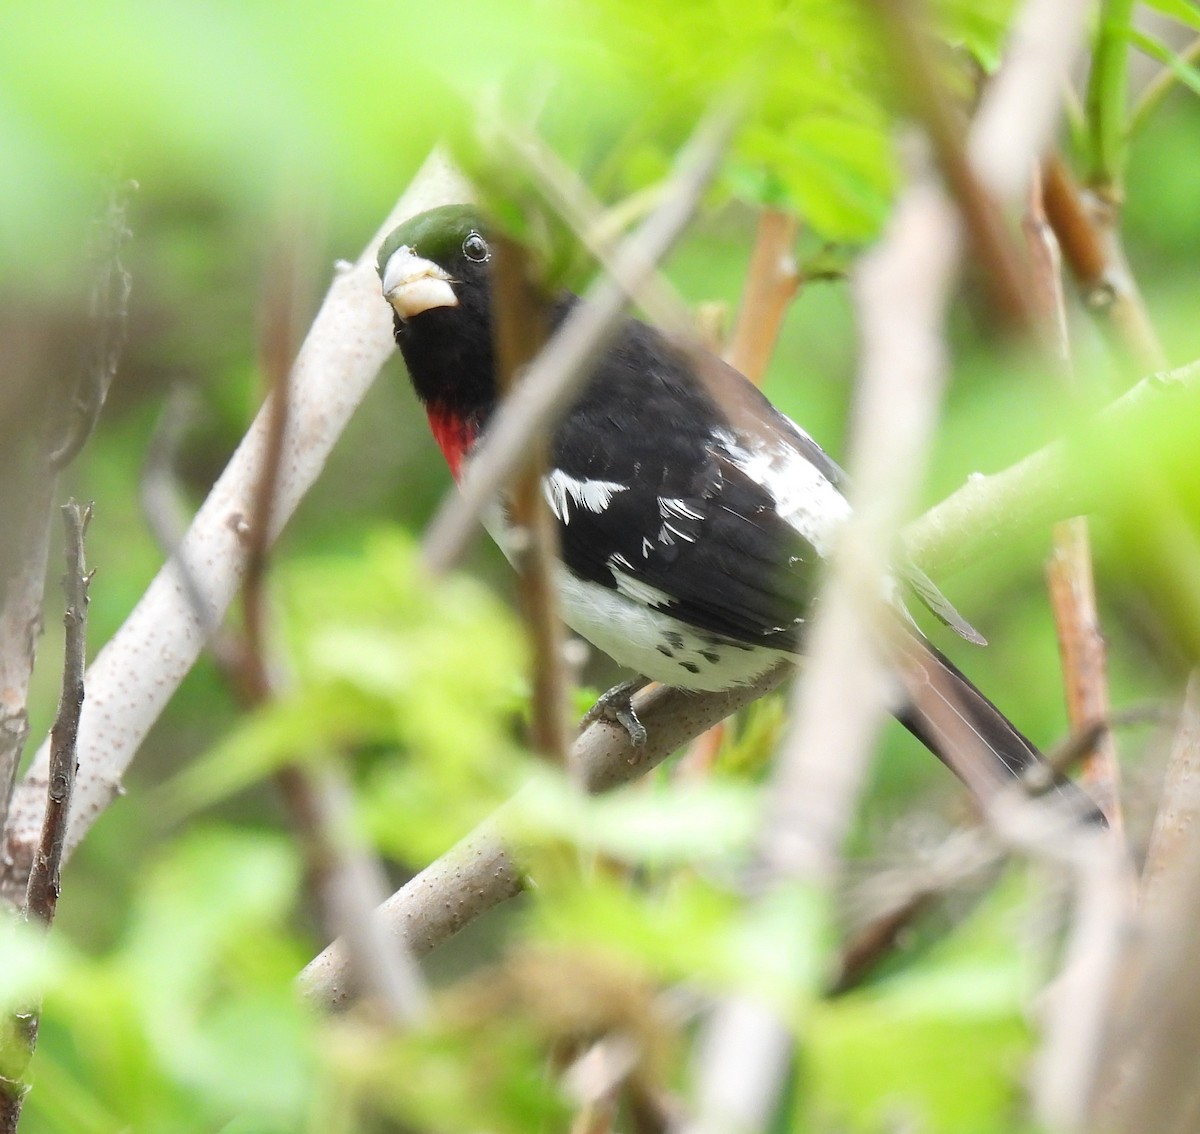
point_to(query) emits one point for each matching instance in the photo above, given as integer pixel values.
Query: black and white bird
(692, 515)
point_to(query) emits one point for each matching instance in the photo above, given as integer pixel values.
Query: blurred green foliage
(167, 982)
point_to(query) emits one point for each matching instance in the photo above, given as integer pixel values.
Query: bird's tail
(972, 737)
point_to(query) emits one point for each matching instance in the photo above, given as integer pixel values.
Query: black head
(434, 269)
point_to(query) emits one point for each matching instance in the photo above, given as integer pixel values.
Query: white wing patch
(803, 495)
(564, 491)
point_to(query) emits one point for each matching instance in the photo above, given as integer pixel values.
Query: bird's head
(436, 259)
(434, 269)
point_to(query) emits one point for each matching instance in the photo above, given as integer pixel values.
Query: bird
(693, 516)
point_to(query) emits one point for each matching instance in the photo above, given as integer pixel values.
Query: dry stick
(520, 332)
(346, 881)
(841, 697)
(1085, 225)
(20, 624)
(1152, 1045)
(1069, 573)
(772, 281)
(559, 371)
(349, 340)
(904, 893)
(916, 67)
(41, 900)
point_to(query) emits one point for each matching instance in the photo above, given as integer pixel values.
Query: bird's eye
(475, 248)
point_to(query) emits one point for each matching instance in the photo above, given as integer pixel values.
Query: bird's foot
(616, 706)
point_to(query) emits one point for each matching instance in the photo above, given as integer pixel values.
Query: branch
(480, 872)
(1069, 573)
(772, 281)
(42, 895)
(349, 341)
(520, 332)
(1051, 484)
(41, 900)
(841, 699)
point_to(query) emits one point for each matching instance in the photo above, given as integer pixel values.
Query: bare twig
(1178, 817)
(40, 431)
(568, 195)
(842, 697)
(904, 893)
(345, 878)
(1152, 1042)
(558, 372)
(1069, 569)
(349, 340)
(1085, 225)
(41, 900)
(520, 333)
(915, 66)
(772, 281)
(42, 895)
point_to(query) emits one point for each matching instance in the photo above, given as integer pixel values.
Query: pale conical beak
(412, 285)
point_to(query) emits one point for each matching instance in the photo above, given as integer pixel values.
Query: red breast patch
(453, 435)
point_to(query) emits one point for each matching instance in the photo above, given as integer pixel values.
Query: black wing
(682, 526)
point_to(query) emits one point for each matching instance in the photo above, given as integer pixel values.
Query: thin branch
(559, 371)
(349, 341)
(520, 331)
(1069, 570)
(902, 894)
(914, 65)
(1085, 225)
(772, 281)
(1160, 86)
(346, 880)
(42, 431)
(569, 196)
(1051, 484)
(42, 895)
(841, 698)
(1147, 1080)
(41, 900)
(1178, 817)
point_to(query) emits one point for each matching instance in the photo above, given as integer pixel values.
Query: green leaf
(711, 821)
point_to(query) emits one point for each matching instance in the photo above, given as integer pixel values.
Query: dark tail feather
(957, 723)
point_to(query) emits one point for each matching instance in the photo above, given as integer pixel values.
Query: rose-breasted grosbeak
(692, 516)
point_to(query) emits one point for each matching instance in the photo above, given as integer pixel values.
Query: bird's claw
(616, 707)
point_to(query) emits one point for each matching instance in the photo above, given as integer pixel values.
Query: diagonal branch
(349, 341)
